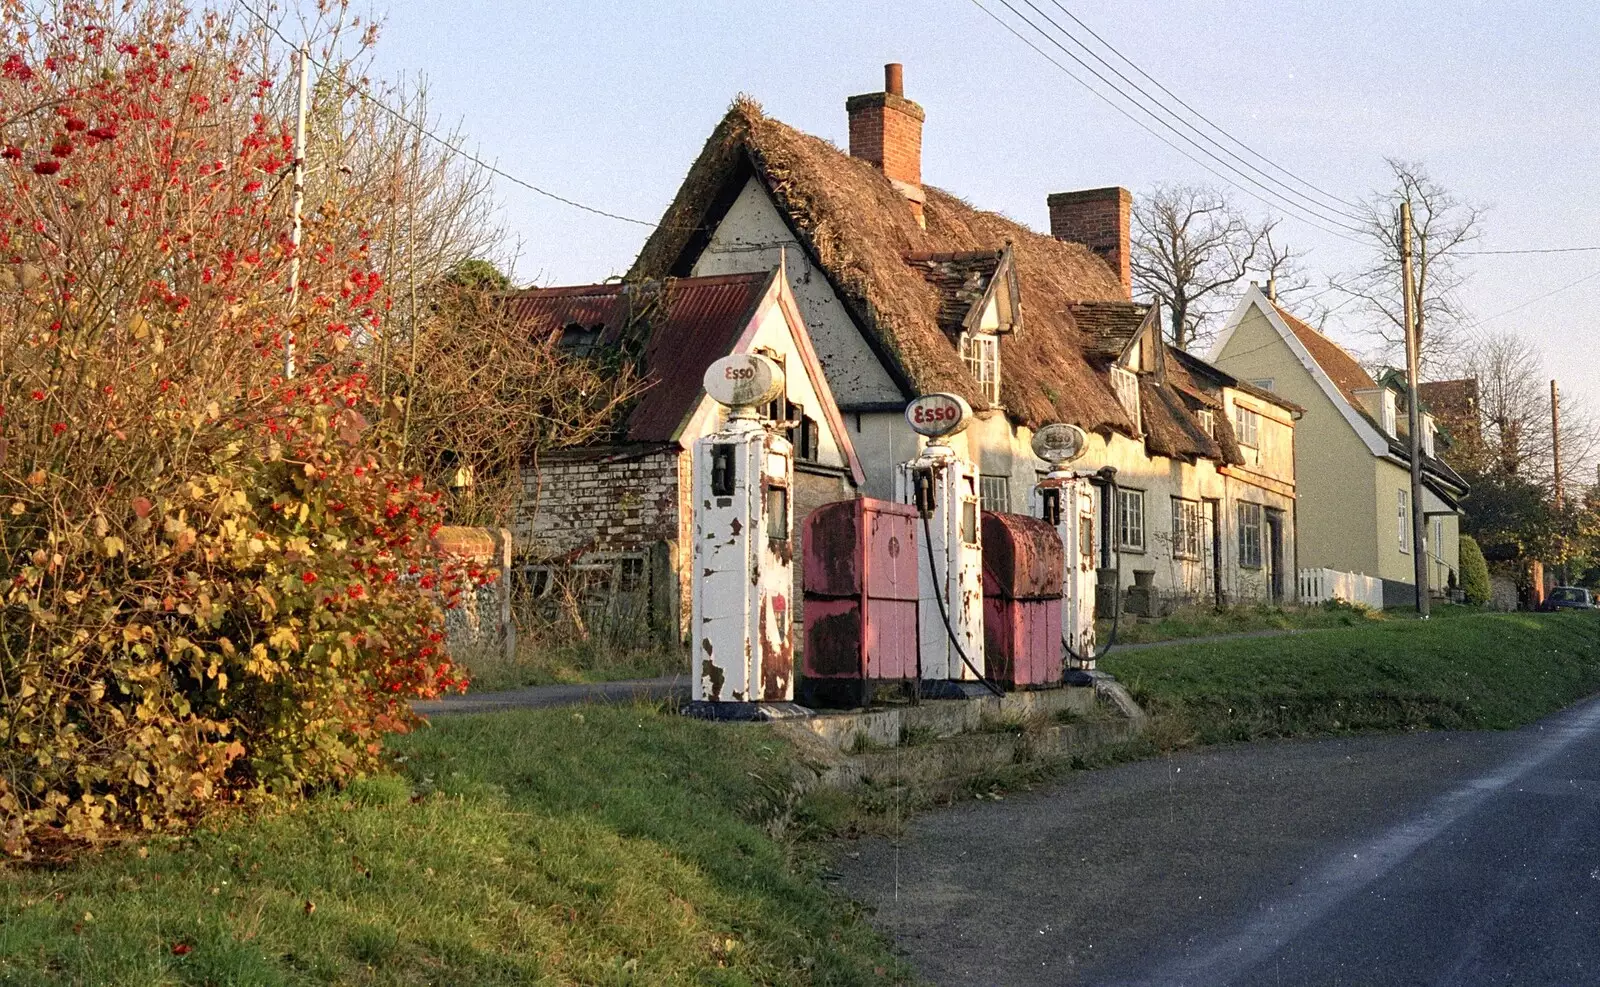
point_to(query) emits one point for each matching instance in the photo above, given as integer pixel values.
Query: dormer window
(981, 353)
(1429, 429)
(1126, 383)
(1208, 421)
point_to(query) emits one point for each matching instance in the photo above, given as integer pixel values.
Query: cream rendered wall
(1334, 469)
(754, 237)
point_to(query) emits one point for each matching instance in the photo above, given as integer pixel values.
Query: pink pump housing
(861, 593)
(1021, 601)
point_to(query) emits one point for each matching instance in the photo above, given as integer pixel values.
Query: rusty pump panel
(944, 489)
(742, 646)
(1021, 601)
(861, 589)
(1065, 499)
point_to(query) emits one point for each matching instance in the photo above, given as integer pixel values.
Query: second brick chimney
(886, 129)
(1098, 219)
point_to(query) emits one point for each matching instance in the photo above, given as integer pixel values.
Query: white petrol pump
(944, 489)
(1065, 498)
(742, 641)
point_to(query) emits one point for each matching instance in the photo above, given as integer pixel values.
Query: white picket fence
(1321, 585)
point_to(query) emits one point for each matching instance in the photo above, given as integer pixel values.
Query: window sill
(1130, 550)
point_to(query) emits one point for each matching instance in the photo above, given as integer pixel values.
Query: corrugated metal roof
(690, 323)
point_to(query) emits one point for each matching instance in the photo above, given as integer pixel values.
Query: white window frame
(1126, 384)
(1188, 529)
(994, 492)
(1130, 520)
(1247, 426)
(1437, 548)
(1251, 520)
(981, 353)
(1208, 421)
(1403, 517)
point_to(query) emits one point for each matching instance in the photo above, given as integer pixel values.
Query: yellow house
(1351, 451)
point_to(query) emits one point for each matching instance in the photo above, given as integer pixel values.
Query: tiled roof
(688, 324)
(1342, 368)
(1108, 327)
(961, 279)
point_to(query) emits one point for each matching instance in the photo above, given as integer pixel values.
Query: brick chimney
(886, 129)
(1098, 219)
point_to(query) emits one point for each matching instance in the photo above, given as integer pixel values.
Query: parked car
(1568, 598)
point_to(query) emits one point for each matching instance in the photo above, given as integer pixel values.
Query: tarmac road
(1420, 859)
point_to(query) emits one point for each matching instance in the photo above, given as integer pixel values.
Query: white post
(298, 207)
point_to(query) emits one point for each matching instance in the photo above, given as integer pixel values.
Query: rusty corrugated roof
(688, 324)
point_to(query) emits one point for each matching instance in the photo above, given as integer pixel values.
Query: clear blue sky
(609, 102)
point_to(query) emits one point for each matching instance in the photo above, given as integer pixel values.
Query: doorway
(1275, 560)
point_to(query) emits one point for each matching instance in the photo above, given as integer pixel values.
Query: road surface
(1421, 859)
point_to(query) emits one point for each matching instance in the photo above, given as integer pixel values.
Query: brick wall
(886, 130)
(1098, 219)
(572, 507)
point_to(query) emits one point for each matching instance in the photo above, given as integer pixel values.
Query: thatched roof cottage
(906, 289)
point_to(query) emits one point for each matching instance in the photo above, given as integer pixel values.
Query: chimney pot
(894, 79)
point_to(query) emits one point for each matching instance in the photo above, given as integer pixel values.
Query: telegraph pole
(1419, 523)
(299, 207)
(1555, 436)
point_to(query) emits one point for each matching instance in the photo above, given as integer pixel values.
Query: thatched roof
(862, 233)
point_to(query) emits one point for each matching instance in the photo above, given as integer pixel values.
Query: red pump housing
(1021, 601)
(860, 590)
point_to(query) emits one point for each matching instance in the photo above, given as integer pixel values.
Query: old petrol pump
(743, 652)
(944, 489)
(1065, 498)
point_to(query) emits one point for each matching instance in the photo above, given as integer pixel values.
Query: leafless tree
(1514, 402)
(1443, 226)
(1191, 244)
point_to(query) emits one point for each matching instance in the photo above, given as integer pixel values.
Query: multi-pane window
(994, 492)
(981, 353)
(1126, 384)
(1130, 519)
(1403, 519)
(1188, 540)
(1247, 427)
(1208, 421)
(1249, 535)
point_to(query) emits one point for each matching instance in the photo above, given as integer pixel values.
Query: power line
(1301, 212)
(1156, 101)
(1537, 298)
(1531, 250)
(1207, 120)
(452, 148)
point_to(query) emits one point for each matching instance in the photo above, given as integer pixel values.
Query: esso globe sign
(743, 380)
(935, 415)
(1060, 443)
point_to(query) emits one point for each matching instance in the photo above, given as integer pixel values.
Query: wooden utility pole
(1419, 521)
(298, 208)
(1555, 436)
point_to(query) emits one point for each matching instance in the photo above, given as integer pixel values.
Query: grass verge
(604, 845)
(1190, 622)
(1474, 671)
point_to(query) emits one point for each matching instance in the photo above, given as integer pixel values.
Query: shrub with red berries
(215, 578)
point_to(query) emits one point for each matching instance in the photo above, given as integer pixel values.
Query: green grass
(1462, 671)
(1197, 621)
(547, 663)
(604, 845)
